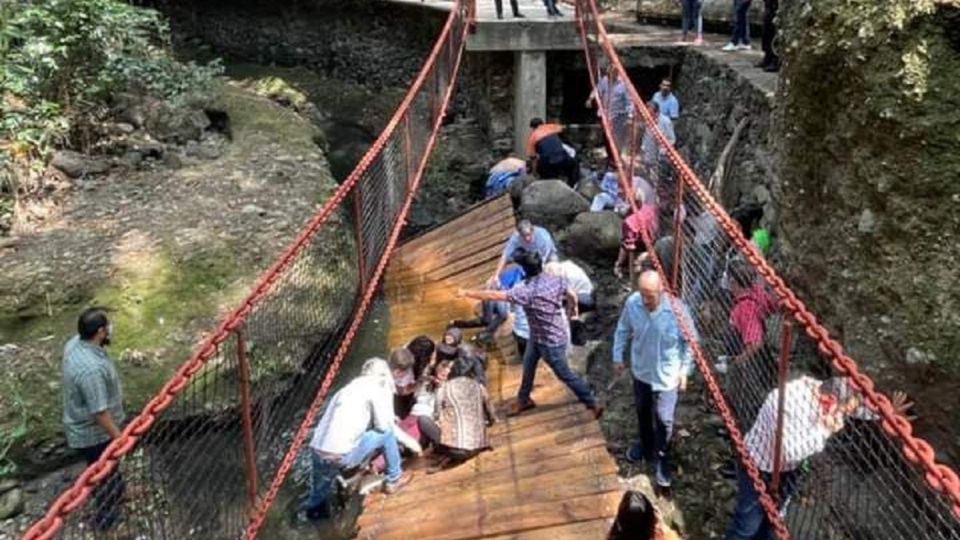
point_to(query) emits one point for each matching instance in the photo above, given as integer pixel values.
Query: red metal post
(249, 449)
(677, 236)
(786, 340)
(358, 231)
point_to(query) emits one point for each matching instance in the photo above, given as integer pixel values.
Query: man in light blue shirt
(660, 361)
(530, 238)
(669, 106)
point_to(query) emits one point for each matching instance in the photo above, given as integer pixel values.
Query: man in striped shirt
(93, 405)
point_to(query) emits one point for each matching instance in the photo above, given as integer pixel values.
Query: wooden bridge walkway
(549, 476)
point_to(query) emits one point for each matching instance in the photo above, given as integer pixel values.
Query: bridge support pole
(529, 95)
(786, 340)
(249, 448)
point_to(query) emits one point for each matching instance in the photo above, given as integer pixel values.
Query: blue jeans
(741, 30)
(692, 19)
(749, 519)
(655, 410)
(556, 358)
(551, 7)
(325, 471)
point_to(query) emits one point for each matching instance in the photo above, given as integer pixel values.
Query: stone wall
(714, 98)
(870, 197)
(376, 45)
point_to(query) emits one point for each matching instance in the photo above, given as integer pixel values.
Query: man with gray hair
(531, 238)
(357, 423)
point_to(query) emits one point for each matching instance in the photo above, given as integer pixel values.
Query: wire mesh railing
(847, 464)
(208, 454)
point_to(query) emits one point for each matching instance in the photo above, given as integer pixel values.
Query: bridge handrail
(446, 54)
(940, 478)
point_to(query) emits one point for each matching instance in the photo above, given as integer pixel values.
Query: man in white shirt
(357, 423)
(577, 279)
(814, 410)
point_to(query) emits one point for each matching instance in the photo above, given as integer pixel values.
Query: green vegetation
(62, 60)
(158, 305)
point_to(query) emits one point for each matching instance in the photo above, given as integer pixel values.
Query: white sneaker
(746, 47)
(729, 47)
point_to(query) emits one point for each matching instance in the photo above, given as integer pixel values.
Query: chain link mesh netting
(846, 470)
(208, 454)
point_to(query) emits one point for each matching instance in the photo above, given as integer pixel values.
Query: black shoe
(518, 15)
(500, 15)
(772, 68)
(557, 13)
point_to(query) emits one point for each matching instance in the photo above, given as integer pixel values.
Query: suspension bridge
(208, 455)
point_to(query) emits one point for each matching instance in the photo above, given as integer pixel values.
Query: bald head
(651, 288)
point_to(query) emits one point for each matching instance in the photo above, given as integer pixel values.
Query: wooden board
(549, 475)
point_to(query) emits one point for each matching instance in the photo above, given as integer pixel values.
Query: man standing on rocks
(669, 106)
(531, 238)
(93, 406)
(661, 361)
(542, 296)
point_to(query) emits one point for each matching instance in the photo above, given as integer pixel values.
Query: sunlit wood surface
(549, 476)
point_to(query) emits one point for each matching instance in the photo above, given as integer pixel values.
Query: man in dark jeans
(513, 6)
(740, 40)
(93, 406)
(551, 160)
(542, 297)
(770, 62)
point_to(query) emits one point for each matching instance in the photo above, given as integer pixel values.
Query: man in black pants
(770, 62)
(93, 407)
(513, 6)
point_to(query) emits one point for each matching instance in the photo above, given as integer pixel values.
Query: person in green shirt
(93, 406)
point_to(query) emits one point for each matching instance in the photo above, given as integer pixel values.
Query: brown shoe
(597, 411)
(392, 487)
(518, 407)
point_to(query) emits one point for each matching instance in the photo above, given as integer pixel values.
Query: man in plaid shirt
(542, 298)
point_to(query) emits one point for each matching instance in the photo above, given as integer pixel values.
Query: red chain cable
(767, 502)
(939, 477)
(257, 521)
(82, 488)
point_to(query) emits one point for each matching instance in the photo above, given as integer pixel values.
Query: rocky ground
(168, 238)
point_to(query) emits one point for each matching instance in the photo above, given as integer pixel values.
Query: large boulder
(12, 503)
(551, 202)
(594, 237)
(75, 164)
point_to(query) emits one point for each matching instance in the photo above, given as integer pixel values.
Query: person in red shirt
(754, 369)
(631, 232)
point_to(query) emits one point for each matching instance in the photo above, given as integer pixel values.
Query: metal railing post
(358, 232)
(408, 148)
(249, 448)
(677, 236)
(786, 338)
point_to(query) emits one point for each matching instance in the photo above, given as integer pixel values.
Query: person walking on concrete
(552, 10)
(740, 41)
(660, 361)
(93, 406)
(692, 19)
(513, 5)
(542, 296)
(771, 61)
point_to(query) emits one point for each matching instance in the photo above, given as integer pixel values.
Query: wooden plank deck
(549, 476)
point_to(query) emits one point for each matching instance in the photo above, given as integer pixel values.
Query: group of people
(426, 395)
